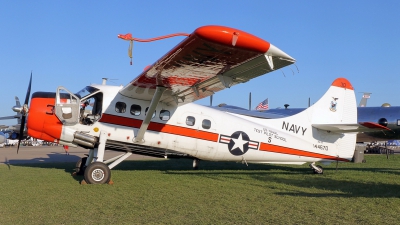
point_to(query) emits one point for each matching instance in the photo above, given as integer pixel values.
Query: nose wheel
(97, 173)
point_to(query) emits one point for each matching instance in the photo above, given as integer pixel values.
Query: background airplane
(14, 130)
(2, 139)
(364, 99)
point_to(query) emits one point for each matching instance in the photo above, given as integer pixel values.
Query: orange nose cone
(42, 122)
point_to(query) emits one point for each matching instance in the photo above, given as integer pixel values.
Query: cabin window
(206, 124)
(135, 110)
(145, 112)
(190, 121)
(120, 107)
(164, 115)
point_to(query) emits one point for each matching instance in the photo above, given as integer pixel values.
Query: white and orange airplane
(154, 115)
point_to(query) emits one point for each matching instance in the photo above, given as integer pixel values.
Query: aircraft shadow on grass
(342, 188)
(53, 160)
(337, 188)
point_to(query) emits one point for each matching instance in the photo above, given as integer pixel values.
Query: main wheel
(319, 172)
(97, 173)
(80, 166)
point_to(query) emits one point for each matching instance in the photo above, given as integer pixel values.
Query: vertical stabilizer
(365, 97)
(336, 107)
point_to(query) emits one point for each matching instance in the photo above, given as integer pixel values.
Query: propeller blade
(28, 92)
(21, 132)
(24, 113)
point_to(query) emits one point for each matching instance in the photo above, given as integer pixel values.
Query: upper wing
(209, 60)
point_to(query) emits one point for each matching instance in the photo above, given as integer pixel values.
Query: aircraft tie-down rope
(128, 37)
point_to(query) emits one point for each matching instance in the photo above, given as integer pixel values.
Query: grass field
(169, 192)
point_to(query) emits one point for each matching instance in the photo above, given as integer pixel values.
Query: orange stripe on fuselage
(160, 127)
(193, 133)
(292, 151)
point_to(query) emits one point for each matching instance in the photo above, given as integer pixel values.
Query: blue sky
(74, 44)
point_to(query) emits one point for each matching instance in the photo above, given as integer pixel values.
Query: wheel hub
(98, 174)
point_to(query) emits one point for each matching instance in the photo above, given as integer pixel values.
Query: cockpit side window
(91, 109)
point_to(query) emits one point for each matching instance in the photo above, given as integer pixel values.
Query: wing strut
(153, 104)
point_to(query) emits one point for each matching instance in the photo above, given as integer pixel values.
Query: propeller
(24, 112)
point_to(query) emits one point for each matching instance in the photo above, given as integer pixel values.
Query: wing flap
(211, 59)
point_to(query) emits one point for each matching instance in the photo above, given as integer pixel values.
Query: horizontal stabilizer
(350, 128)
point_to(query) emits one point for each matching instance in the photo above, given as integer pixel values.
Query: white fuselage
(205, 133)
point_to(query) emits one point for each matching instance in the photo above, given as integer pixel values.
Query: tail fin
(365, 97)
(336, 107)
(19, 115)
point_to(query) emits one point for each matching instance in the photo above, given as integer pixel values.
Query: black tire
(80, 166)
(316, 172)
(97, 173)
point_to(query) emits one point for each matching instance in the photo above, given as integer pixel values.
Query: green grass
(169, 192)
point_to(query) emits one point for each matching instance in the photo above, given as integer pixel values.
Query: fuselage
(189, 130)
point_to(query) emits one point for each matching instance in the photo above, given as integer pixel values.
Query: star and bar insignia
(238, 143)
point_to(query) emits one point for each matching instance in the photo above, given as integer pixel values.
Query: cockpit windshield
(86, 91)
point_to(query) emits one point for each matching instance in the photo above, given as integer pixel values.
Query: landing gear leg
(317, 169)
(196, 164)
(97, 172)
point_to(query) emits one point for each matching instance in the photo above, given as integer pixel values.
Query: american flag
(263, 105)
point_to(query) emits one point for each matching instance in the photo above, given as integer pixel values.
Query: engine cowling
(42, 122)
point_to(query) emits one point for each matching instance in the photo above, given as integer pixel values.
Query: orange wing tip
(232, 37)
(342, 83)
(126, 37)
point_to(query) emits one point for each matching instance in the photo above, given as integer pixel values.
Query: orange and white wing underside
(212, 58)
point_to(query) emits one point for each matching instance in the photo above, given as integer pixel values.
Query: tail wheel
(196, 164)
(80, 166)
(97, 173)
(319, 172)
